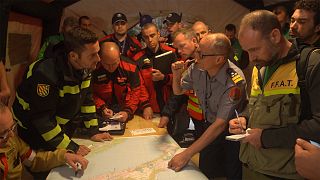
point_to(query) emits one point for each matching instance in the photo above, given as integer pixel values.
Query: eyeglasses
(6, 134)
(202, 56)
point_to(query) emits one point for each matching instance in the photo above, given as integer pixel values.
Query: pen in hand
(239, 120)
(77, 170)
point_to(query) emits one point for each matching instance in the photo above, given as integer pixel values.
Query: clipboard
(113, 127)
(163, 62)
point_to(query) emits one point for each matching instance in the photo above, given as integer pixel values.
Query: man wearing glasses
(14, 152)
(220, 87)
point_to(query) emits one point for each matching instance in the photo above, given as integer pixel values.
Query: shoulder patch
(235, 94)
(43, 90)
(235, 77)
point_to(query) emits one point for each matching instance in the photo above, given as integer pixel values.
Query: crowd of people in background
(227, 83)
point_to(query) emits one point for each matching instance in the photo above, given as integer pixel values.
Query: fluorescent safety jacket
(17, 153)
(274, 103)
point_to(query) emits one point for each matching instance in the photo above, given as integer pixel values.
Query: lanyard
(4, 161)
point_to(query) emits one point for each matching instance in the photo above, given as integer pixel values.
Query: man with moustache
(173, 23)
(128, 45)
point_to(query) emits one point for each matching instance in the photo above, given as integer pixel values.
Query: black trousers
(221, 159)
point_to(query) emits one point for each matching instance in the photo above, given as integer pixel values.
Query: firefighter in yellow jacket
(274, 100)
(15, 153)
(55, 95)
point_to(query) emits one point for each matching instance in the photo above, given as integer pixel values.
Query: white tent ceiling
(216, 13)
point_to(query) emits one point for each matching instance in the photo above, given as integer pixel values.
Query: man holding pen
(220, 86)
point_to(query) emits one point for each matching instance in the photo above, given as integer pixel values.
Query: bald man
(216, 81)
(117, 84)
(201, 29)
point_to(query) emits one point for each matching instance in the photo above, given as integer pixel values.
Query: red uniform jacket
(159, 91)
(119, 90)
(128, 48)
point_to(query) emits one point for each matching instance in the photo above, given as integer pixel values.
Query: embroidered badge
(235, 94)
(43, 90)
(235, 77)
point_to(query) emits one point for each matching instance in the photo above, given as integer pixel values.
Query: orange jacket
(119, 90)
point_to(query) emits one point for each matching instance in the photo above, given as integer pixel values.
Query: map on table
(140, 157)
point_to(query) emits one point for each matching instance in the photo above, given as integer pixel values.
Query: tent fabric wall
(216, 13)
(22, 24)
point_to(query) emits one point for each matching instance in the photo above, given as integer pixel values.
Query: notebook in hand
(163, 62)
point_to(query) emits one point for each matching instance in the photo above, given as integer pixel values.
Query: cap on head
(145, 19)
(173, 18)
(119, 17)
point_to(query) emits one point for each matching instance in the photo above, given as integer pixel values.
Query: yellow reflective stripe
(61, 120)
(92, 122)
(69, 90)
(276, 92)
(24, 104)
(85, 84)
(194, 108)
(30, 69)
(255, 93)
(282, 91)
(88, 109)
(194, 99)
(52, 133)
(65, 142)
(18, 121)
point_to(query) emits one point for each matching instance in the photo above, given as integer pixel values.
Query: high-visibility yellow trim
(92, 122)
(69, 90)
(255, 92)
(194, 108)
(24, 104)
(276, 92)
(88, 109)
(236, 58)
(61, 120)
(194, 99)
(282, 91)
(18, 121)
(51, 134)
(85, 84)
(65, 142)
(30, 69)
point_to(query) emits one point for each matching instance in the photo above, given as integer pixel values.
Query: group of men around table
(55, 96)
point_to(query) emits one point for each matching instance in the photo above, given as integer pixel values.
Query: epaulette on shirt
(235, 77)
